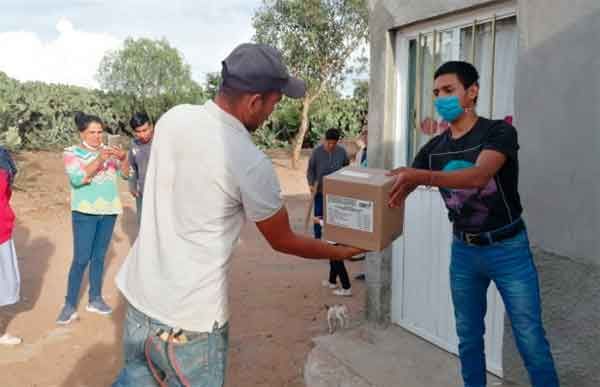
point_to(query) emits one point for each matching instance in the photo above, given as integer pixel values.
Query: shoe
(327, 284)
(8, 339)
(98, 306)
(360, 276)
(343, 292)
(359, 257)
(67, 315)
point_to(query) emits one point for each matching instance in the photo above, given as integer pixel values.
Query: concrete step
(366, 356)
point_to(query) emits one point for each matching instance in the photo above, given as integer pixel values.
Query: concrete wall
(558, 118)
(557, 113)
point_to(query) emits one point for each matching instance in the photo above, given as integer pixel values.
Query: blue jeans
(510, 265)
(91, 237)
(202, 361)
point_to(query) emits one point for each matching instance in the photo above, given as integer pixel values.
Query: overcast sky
(62, 41)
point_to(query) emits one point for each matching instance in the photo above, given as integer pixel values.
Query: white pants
(10, 280)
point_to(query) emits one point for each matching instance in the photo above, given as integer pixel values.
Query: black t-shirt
(477, 210)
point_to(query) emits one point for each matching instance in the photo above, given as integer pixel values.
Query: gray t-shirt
(139, 154)
(323, 163)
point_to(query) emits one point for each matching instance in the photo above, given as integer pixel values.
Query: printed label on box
(350, 213)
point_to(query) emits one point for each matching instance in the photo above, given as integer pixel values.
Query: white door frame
(495, 316)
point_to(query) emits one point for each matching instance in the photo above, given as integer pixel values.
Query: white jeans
(10, 280)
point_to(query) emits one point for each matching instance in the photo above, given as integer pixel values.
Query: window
(490, 45)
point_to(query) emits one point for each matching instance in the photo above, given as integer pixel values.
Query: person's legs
(333, 274)
(135, 371)
(318, 212)
(9, 288)
(469, 295)
(516, 278)
(5, 337)
(84, 231)
(339, 269)
(201, 361)
(104, 232)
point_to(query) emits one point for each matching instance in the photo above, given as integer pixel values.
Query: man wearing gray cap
(204, 178)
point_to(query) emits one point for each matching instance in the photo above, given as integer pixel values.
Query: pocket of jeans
(134, 336)
(192, 356)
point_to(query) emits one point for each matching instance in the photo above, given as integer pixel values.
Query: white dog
(337, 317)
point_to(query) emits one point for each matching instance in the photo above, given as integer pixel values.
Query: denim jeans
(336, 268)
(509, 263)
(91, 237)
(202, 361)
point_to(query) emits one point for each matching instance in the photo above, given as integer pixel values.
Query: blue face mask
(449, 108)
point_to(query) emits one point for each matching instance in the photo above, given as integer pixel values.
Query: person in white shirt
(205, 177)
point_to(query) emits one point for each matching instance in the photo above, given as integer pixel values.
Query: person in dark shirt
(475, 165)
(326, 159)
(139, 156)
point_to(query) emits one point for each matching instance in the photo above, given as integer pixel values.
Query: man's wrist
(424, 177)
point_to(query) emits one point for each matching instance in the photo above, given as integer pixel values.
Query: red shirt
(7, 216)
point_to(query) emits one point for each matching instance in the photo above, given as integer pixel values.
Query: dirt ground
(276, 300)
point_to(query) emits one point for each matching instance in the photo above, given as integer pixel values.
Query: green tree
(213, 82)
(152, 72)
(317, 39)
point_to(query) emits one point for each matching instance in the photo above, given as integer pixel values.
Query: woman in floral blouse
(93, 170)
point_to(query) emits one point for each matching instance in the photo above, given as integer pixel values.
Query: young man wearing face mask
(475, 165)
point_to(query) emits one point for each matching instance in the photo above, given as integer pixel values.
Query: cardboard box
(356, 211)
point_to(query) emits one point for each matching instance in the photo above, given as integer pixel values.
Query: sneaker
(8, 339)
(343, 292)
(327, 284)
(67, 315)
(359, 257)
(98, 306)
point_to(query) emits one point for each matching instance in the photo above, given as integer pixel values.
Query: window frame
(406, 145)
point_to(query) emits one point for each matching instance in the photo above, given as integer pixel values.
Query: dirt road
(276, 300)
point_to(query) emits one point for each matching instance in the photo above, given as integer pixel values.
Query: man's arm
(487, 166)
(278, 233)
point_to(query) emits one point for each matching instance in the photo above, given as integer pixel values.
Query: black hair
(139, 119)
(82, 120)
(465, 72)
(232, 94)
(332, 134)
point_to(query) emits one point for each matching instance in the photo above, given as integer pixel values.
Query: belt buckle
(470, 238)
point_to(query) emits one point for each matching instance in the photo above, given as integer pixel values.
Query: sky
(63, 41)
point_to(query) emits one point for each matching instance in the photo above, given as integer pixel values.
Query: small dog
(337, 317)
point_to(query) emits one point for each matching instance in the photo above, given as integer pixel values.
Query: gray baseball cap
(259, 68)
